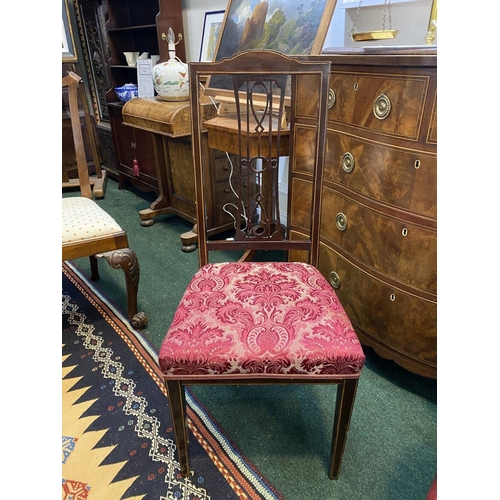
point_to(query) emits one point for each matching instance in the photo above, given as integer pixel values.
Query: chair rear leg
(177, 401)
(346, 393)
(126, 259)
(94, 269)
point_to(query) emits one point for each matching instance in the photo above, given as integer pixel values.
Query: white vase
(171, 80)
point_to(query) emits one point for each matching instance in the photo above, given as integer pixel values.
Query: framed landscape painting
(293, 27)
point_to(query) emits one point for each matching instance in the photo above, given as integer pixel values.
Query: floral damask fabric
(276, 319)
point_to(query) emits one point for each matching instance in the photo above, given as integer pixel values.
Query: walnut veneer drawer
(387, 103)
(223, 165)
(225, 196)
(387, 316)
(392, 246)
(404, 178)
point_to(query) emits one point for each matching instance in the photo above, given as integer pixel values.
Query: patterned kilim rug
(117, 437)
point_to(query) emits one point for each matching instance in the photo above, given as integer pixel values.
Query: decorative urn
(171, 78)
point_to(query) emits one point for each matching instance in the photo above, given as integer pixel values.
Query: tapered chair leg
(126, 259)
(94, 269)
(346, 393)
(177, 401)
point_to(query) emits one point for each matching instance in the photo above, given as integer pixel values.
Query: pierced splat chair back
(245, 146)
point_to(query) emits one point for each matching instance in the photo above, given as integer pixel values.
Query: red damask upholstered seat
(275, 319)
(260, 322)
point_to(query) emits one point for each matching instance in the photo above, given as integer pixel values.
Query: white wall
(193, 17)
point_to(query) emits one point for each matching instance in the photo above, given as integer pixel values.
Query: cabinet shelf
(122, 66)
(132, 28)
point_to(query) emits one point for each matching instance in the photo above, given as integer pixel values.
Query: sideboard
(155, 153)
(379, 199)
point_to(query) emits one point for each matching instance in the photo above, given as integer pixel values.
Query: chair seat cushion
(255, 319)
(83, 218)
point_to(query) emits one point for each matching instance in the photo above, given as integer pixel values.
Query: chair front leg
(177, 401)
(126, 259)
(346, 393)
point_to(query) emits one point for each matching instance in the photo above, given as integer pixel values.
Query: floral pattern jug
(171, 78)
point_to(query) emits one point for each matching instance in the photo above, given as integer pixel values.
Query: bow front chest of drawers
(379, 209)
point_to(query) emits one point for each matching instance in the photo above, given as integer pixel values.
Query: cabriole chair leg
(126, 259)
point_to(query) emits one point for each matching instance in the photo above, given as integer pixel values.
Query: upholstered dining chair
(244, 321)
(88, 230)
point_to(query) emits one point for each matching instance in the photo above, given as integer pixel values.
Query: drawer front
(391, 246)
(398, 320)
(406, 179)
(390, 104)
(223, 165)
(225, 200)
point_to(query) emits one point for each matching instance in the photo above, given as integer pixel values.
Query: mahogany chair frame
(255, 64)
(113, 248)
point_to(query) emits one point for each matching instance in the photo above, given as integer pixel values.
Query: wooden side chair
(94, 160)
(249, 322)
(89, 231)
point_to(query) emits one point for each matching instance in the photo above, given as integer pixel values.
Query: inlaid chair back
(255, 127)
(259, 322)
(87, 229)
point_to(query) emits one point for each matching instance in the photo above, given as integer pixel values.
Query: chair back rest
(238, 154)
(72, 82)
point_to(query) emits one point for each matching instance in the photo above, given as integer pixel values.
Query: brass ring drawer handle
(331, 98)
(348, 162)
(334, 279)
(382, 107)
(341, 221)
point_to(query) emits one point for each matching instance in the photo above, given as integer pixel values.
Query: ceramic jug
(131, 58)
(171, 78)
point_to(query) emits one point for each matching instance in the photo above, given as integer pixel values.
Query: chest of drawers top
(388, 93)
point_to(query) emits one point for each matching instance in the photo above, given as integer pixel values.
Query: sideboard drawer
(388, 103)
(223, 165)
(226, 198)
(403, 178)
(391, 246)
(387, 315)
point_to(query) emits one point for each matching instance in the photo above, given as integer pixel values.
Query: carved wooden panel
(96, 48)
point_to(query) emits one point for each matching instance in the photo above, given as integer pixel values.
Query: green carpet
(286, 431)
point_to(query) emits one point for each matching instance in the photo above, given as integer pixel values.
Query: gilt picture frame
(68, 41)
(210, 35)
(293, 27)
